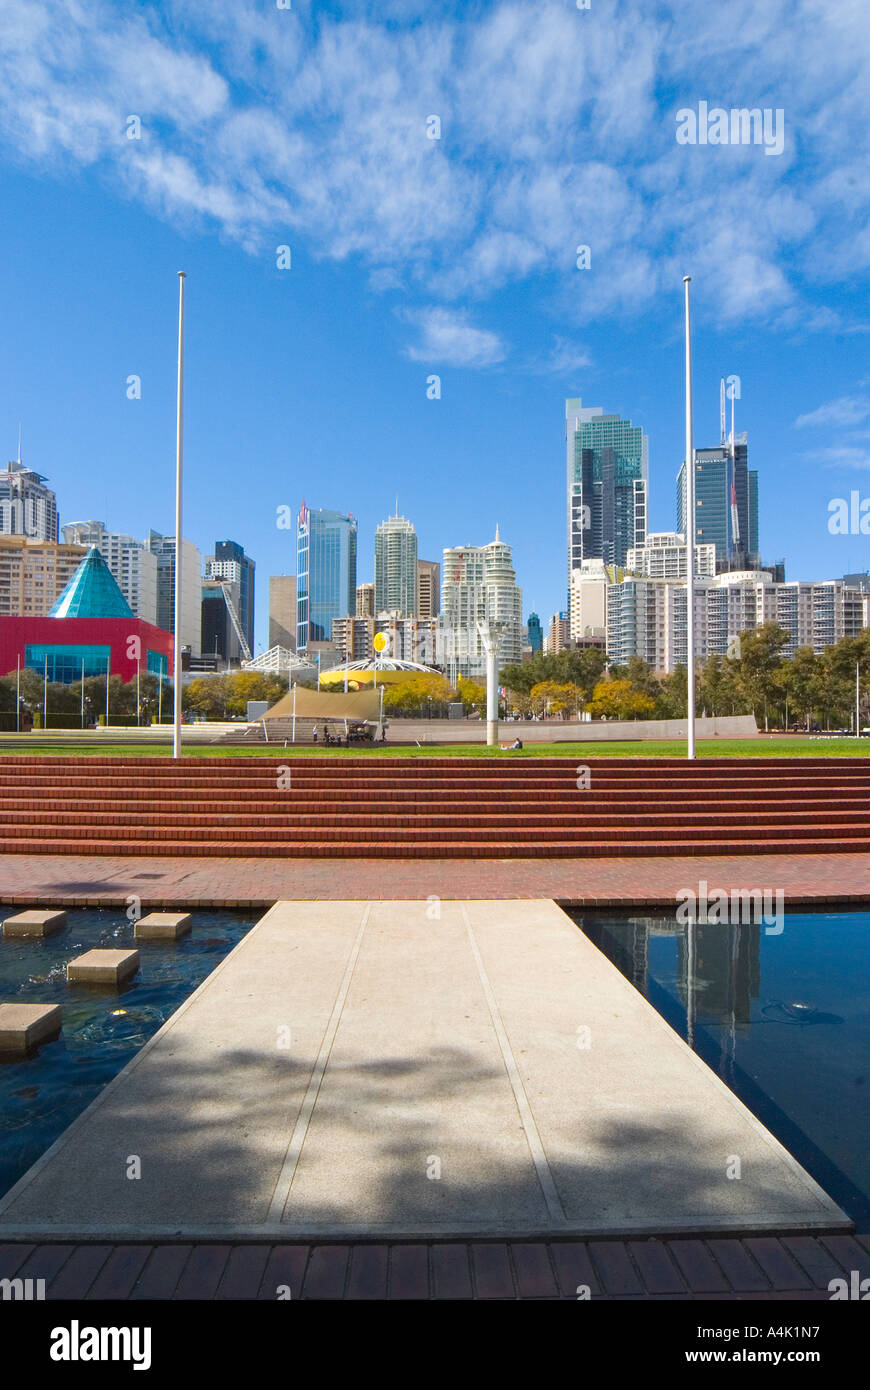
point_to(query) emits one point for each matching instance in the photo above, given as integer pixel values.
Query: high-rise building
(326, 573)
(353, 638)
(478, 584)
(428, 589)
(282, 611)
(588, 598)
(230, 562)
(133, 567)
(396, 567)
(163, 547)
(34, 573)
(664, 556)
(536, 634)
(365, 600)
(90, 631)
(726, 503)
(218, 637)
(558, 635)
(27, 506)
(608, 484)
(647, 617)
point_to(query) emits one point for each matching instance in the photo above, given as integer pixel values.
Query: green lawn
(762, 747)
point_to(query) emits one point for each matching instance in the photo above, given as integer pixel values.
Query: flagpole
(690, 537)
(179, 424)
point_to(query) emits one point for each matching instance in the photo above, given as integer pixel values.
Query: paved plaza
(70, 880)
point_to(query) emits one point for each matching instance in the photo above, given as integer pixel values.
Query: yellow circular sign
(381, 642)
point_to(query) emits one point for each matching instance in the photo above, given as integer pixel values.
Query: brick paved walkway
(768, 1268)
(92, 880)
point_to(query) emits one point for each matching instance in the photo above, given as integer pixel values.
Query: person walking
(314, 735)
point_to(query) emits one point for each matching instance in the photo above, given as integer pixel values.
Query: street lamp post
(179, 442)
(491, 634)
(690, 536)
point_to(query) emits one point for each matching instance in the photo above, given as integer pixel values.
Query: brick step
(497, 817)
(412, 834)
(411, 785)
(387, 849)
(223, 768)
(270, 795)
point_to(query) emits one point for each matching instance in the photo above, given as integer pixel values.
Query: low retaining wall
(557, 731)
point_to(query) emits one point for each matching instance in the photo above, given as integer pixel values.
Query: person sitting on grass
(510, 747)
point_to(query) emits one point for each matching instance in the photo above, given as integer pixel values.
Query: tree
(672, 699)
(581, 667)
(553, 697)
(804, 684)
(417, 694)
(473, 695)
(760, 677)
(718, 687)
(618, 699)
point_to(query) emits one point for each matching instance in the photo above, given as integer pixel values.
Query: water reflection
(784, 1019)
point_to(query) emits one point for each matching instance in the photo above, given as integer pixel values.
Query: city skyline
(421, 249)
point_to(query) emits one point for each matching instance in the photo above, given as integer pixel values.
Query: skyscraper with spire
(27, 506)
(478, 584)
(396, 567)
(726, 499)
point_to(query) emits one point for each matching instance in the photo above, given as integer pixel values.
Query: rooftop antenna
(735, 520)
(722, 435)
(19, 443)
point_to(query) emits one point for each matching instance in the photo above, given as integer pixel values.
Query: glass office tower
(608, 484)
(731, 524)
(325, 573)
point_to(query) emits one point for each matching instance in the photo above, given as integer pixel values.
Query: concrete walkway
(372, 1069)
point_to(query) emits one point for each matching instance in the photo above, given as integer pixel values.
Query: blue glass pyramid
(92, 592)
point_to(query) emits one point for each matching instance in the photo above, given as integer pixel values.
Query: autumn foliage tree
(616, 699)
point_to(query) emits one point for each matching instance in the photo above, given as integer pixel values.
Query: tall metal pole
(83, 692)
(179, 425)
(45, 695)
(18, 694)
(857, 699)
(690, 536)
(138, 702)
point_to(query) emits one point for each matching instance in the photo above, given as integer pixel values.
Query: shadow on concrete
(211, 1134)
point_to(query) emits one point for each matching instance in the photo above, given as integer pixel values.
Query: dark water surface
(784, 1019)
(102, 1028)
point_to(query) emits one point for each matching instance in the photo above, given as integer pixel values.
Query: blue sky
(414, 256)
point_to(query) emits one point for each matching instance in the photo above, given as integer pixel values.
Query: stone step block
(34, 922)
(24, 1026)
(103, 967)
(162, 926)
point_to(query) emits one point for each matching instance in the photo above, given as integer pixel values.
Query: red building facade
(121, 646)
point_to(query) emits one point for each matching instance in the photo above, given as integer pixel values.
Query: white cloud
(845, 411)
(841, 456)
(565, 358)
(266, 124)
(448, 339)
